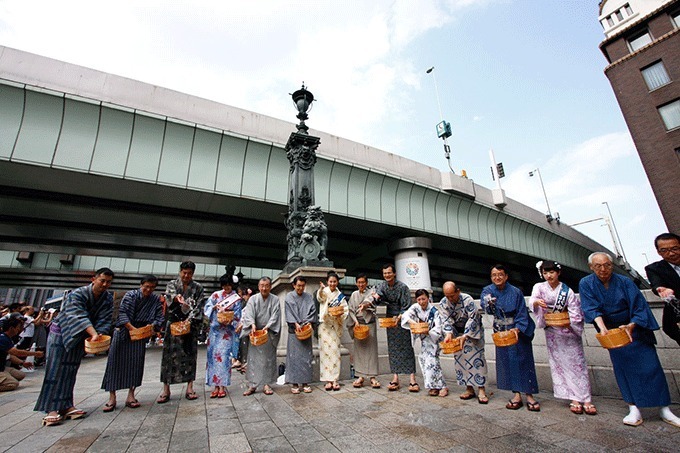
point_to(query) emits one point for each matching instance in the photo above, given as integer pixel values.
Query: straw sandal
(109, 407)
(467, 396)
(132, 404)
(358, 383)
(576, 408)
(295, 390)
(222, 394)
(336, 386)
(250, 391)
(393, 387)
(514, 405)
(191, 396)
(163, 399)
(444, 392)
(215, 393)
(589, 409)
(328, 387)
(413, 387)
(51, 420)
(482, 399)
(374, 383)
(433, 392)
(74, 414)
(267, 390)
(306, 389)
(533, 407)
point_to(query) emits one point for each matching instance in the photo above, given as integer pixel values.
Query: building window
(655, 75)
(619, 16)
(639, 41)
(675, 17)
(670, 114)
(628, 9)
(610, 21)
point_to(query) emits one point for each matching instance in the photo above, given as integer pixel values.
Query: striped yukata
(125, 366)
(178, 363)
(66, 343)
(399, 348)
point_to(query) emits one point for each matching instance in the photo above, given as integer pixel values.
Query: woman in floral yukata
(330, 331)
(565, 345)
(424, 311)
(222, 337)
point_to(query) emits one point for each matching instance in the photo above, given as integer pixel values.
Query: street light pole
(443, 128)
(616, 231)
(545, 195)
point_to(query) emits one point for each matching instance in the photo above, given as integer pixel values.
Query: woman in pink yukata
(565, 345)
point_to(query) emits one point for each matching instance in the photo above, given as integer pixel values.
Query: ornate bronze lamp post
(307, 230)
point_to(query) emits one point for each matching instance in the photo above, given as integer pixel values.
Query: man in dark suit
(664, 276)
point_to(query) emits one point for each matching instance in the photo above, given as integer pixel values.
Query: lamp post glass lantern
(303, 99)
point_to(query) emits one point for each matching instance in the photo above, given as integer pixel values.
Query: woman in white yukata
(565, 345)
(330, 331)
(424, 311)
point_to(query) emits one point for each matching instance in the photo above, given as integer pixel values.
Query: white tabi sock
(669, 417)
(634, 417)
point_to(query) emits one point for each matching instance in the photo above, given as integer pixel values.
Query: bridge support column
(410, 261)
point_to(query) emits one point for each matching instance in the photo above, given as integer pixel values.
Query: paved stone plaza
(349, 420)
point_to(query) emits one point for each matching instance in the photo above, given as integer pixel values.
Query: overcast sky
(522, 77)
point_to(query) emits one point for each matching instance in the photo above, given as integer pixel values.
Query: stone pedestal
(281, 286)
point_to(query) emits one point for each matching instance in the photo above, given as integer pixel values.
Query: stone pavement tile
(381, 436)
(10, 438)
(328, 427)
(402, 446)
(287, 418)
(226, 426)
(521, 442)
(183, 424)
(76, 444)
(274, 444)
(422, 436)
(386, 418)
(607, 435)
(476, 440)
(483, 424)
(261, 430)
(110, 440)
(317, 447)
(221, 412)
(440, 421)
(184, 441)
(354, 443)
(579, 446)
(252, 415)
(229, 443)
(301, 434)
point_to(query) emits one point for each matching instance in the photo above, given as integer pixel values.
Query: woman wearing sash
(330, 331)
(424, 311)
(222, 335)
(565, 345)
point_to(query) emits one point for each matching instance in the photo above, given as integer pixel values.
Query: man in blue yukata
(611, 300)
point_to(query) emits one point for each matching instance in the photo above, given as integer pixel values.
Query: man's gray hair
(594, 254)
(266, 279)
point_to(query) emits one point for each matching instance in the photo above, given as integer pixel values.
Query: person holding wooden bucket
(422, 320)
(184, 315)
(332, 313)
(261, 320)
(558, 311)
(301, 317)
(361, 325)
(618, 309)
(139, 315)
(513, 332)
(460, 318)
(223, 310)
(86, 312)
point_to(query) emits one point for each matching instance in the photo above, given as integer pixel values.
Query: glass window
(619, 16)
(655, 75)
(639, 41)
(676, 19)
(610, 21)
(670, 114)
(628, 9)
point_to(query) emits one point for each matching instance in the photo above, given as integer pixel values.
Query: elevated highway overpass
(102, 167)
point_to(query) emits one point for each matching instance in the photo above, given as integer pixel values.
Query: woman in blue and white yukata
(424, 311)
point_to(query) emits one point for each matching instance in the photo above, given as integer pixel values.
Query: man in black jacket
(664, 276)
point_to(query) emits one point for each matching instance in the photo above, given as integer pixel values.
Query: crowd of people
(245, 328)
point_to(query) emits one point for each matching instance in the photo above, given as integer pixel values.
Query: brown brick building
(642, 47)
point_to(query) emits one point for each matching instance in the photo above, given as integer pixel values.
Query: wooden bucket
(615, 338)
(559, 319)
(387, 322)
(361, 331)
(304, 332)
(180, 328)
(453, 346)
(337, 310)
(258, 337)
(420, 328)
(141, 333)
(505, 338)
(225, 317)
(101, 345)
